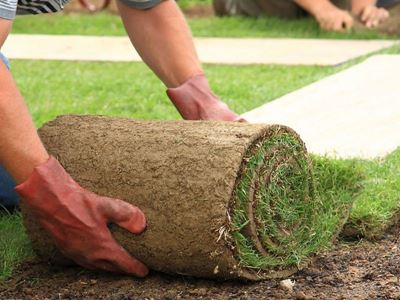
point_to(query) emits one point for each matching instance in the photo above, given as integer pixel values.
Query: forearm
(5, 28)
(164, 41)
(358, 5)
(314, 6)
(20, 147)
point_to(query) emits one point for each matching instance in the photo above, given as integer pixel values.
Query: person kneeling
(335, 15)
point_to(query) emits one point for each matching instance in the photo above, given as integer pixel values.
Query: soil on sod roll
(222, 200)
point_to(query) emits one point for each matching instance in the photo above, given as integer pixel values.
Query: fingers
(337, 21)
(123, 214)
(343, 24)
(129, 265)
(366, 14)
(347, 22)
(339, 25)
(372, 16)
(114, 258)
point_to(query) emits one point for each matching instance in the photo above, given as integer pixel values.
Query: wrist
(316, 8)
(45, 181)
(358, 6)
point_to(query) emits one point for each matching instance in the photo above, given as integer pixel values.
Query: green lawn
(130, 89)
(14, 245)
(377, 206)
(52, 88)
(109, 24)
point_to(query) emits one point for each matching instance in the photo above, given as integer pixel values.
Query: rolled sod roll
(222, 200)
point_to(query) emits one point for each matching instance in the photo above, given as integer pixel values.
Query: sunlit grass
(53, 88)
(110, 24)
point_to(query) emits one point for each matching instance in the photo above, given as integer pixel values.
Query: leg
(343, 4)
(8, 197)
(237, 8)
(387, 3)
(281, 8)
(258, 8)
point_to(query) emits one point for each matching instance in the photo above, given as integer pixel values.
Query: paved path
(211, 50)
(354, 113)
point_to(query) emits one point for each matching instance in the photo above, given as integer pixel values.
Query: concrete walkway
(211, 50)
(354, 113)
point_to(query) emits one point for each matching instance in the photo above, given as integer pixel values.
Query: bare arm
(20, 147)
(358, 5)
(369, 13)
(328, 16)
(314, 6)
(5, 28)
(47, 188)
(164, 41)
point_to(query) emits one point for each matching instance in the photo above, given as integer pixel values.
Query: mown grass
(184, 4)
(52, 88)
(110, 24)
(377, 207)
(14, 244)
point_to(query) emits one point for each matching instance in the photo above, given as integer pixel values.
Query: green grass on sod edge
(283, 196)
(293, 193)
(296, 215)
(109, 24)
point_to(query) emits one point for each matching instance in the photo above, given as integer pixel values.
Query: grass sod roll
(222, 200)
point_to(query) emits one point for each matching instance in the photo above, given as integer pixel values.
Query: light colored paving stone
(211, 50)
(355, 113)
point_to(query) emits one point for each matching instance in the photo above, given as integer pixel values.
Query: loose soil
(361, 270)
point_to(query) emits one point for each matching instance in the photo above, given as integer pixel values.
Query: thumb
(365, 15)
(123, 214)
(348, 23)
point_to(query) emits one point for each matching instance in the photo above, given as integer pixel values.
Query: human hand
(77, 220)
(331, 18)
(195, 101)
(371, 16)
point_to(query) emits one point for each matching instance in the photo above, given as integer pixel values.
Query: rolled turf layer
(222, 200)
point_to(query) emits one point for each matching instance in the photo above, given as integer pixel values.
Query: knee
(8, 197)
(4, 60)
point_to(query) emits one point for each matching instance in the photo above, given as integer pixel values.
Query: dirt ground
(361, 270)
